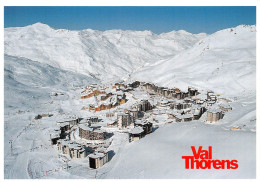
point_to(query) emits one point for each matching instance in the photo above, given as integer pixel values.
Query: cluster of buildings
(171, 93)
(182, 106)
(186, 105)
(73, 149)
(61, 137)
(104, 100)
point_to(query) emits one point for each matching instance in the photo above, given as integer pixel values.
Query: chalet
(147, 126)
(214, 114)
(136, 133)
(97, 159)
(123, 120)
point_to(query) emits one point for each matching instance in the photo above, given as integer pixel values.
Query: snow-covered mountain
(28, 82)
(224, 62)
(103, 54)
(40, 60)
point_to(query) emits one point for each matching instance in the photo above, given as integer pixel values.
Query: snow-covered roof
(96, 155)
(99, 131)
(85, 127)
(214, 110)
(64, 124)
(184, 116)
(55, 135)
(139, 121)
(101, 149)
(74, 146)
(137, 130)
(64, 142)
(225, 105)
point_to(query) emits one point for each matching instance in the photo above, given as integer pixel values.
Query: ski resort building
(55, 137)
(136, 133)
(147, 126)
(192, 91)
(91, 134)
(74, 150)
(88, 94)
(123, 120)
(63, 146)
(134, 113)
(214, 114)
(144, 105)
(184, 117)
(110, 114)
(97, 159)
(180, 105)
(211, 96)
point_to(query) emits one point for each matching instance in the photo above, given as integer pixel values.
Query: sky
(196, 19)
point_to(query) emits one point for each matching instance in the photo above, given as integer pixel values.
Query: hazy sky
(159, 19)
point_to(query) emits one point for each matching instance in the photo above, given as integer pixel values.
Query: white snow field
(90, 52)
(40, 61)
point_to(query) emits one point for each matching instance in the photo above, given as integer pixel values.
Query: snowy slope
(40, 60)
(90, 52)
(224, 62)
(28, 82)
